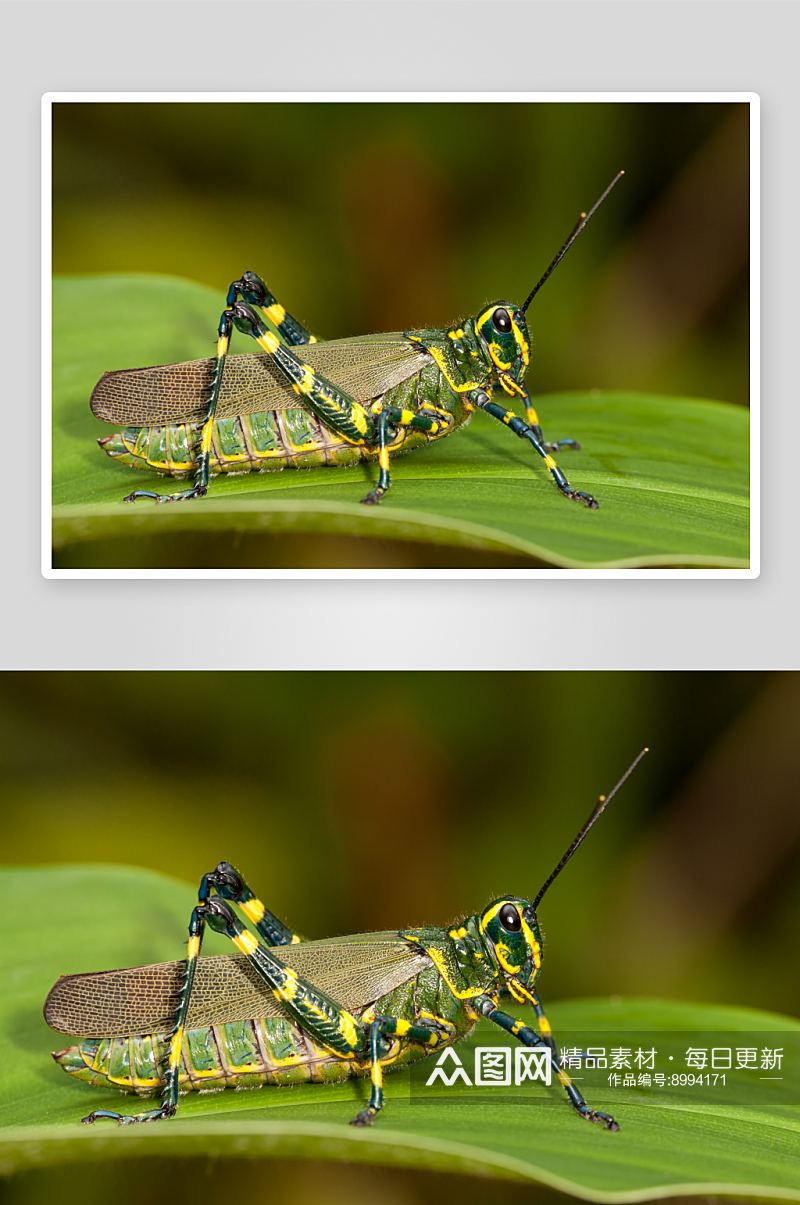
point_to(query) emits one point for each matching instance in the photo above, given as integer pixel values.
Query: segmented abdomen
(238, 1054)
(273, 439)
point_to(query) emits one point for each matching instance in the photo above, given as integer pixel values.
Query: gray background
(566, 46)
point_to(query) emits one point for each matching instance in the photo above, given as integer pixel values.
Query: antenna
(600, 807)
(582, 220)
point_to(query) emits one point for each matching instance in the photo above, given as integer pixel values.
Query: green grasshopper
(363, 398)
(285, 1010)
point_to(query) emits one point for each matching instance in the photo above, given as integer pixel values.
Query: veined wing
(353, 971)
(364, 367)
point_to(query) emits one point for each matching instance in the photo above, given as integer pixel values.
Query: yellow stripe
(288, 990)
(276, 313)
(245, 942)
(253, 909)
(521, 342)
(193, 948)
(441, 363)
(494, 351)
(438, 962)
(175, 1048)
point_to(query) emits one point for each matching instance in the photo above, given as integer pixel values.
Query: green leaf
(68, 919)
(671, 474)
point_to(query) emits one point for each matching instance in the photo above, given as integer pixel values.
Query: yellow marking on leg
(193, 947)
(377, 1074)
(175, 1048)
(246, 943)
(383, 458)
(288, 990)
(205, 439)
(348, 1029)
(222, 345)
(544, 1025)
(401, 1027)
(435, 1039)
(533, 417)
(407, 417)
(551, 464)
(276, 313)
(253, 909)
(295, 940)
(358, 419)
(269, 342)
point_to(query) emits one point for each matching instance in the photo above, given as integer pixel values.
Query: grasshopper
(337, 402)
(285, 1010)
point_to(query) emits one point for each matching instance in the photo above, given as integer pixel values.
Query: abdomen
(271, 440)
(241, 1054)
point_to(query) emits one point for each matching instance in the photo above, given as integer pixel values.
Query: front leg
(481, 399)
(531, 1038)
(516, 389)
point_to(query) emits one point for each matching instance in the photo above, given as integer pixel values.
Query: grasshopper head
(503, 331)
(512, 934)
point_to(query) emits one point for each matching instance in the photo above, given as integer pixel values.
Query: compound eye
(509, 918)
(502, 320)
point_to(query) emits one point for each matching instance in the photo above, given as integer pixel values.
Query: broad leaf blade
(671, 474)
(70, 918)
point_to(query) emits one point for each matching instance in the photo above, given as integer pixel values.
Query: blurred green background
(370, 217)
(363, 801)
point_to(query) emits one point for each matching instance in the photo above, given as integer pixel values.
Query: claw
(578, 496)
(603, 1119)
(183, 496)
(373, 497)
(365, 1118)
(129, 1118)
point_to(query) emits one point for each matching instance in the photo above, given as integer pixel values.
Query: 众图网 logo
(493, 1067)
